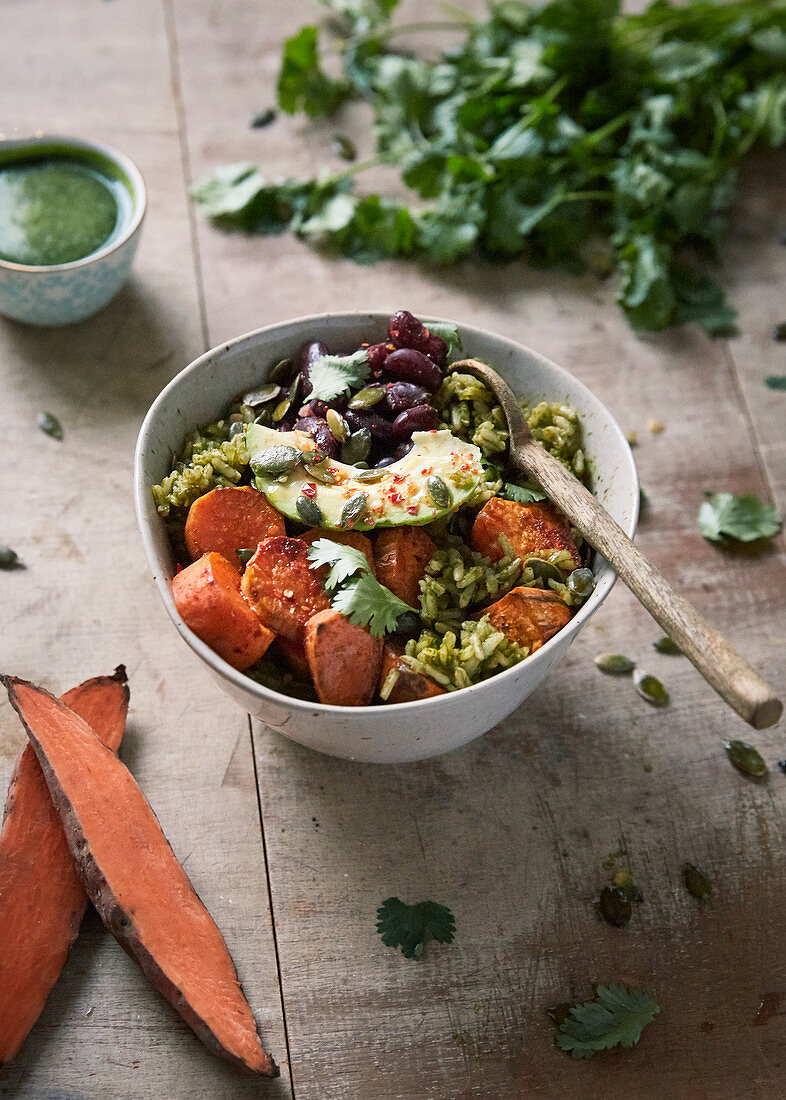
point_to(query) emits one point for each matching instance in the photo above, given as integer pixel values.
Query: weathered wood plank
(85, 600)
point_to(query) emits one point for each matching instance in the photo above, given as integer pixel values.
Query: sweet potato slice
(402, 554)
(529, 528)
(147, 902)
(229, 519)
(282, 588)
(346, 538)
(344, 659)
(292, 654)
(410, 686)
(528, 616)
(208, 597)
(42, 899)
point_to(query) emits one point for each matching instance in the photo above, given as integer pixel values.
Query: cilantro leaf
(366, 602)
(410, 927)
(449, 333)
(344, 560)
(723, 516)
(333, 375)
(521, 494)
(616, 1017)
(302, 84)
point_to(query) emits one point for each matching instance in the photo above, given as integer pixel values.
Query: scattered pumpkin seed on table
(667, 645)
(615, 664)
(650, 688)
(9, 559)
(696, 882)
(614, 906)
(745, 758)
(49, 424)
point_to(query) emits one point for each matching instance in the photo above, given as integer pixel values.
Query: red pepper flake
(427, 470)
(179, 568)
(398, 478)
(413, 509)
(309, 490)
(395, 498)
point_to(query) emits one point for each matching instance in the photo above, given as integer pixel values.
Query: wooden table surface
(291, 851)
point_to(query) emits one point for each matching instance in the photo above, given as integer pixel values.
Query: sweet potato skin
(282, 588)
(529, 528)
(410, 686)
(43, 899)
(528, 616)
(402, 554)
(228, 519)
(344, 659)
(346, 538)
(147, 903)
(208, 598)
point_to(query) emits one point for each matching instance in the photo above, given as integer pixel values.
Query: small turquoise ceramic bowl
(62, 293)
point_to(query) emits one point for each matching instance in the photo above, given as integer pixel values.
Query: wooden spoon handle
(720, 665)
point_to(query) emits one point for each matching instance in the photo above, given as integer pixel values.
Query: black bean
(406, 331)
(380, 429)
(436, 349)
(423, 418)
(413, 366)
(402, 450)
(404, 395)
(388, 460)
(311, 352)
(377, 354)
(319, 431)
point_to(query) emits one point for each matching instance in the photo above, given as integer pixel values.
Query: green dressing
(55, 211)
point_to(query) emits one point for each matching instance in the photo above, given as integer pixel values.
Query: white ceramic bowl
(404, 731)
(61, 294)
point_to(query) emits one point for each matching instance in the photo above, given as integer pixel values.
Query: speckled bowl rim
(310, 324)
(108, 152)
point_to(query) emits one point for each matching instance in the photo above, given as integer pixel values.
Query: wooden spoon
(720, 665)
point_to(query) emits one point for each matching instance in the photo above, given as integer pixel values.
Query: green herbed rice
(459, 658)
(209, 459)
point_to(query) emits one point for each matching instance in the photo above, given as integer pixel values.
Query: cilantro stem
(407, 28)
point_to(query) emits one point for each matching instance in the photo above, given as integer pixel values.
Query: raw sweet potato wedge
(346, 538)
(208, 597)
(282, 588)
(228, 519)
(528, 616)
(147, 902)
(402, 554)
(42, 899)
(409, 686)
(531, 529)
(344, 659)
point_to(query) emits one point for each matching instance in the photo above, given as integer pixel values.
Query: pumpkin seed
(696, 882)
(666, 645)
(581, 582)
(367, 397)
(50, 424)
(312, 456)
(615, 664)
(236, 429)
(357, 447)
(354, 509)
(254, 398)
(283, 407)
(614, 906)
(244, 555)
(650, 688)
(544, 570)
(624, 881)
(344, 147)
(280, 371)
(745, 758)
(265, 418)
(337, 425)
(275, 461)
(320, 473)
(309, 511)
(369, 475)
(438, 491)
(9, 559)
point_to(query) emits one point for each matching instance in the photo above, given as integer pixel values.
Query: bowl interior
(202, 391)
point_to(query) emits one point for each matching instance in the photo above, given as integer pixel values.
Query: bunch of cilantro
(567, 133)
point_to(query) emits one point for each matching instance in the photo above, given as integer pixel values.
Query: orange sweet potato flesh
(207, 595)
(131, 875)
(282, 588)
(528, 616)
(42, 899)
(346, 538)
(529, 528)
(344, 659)
(402, 554)
(410, 686)
(228, 519)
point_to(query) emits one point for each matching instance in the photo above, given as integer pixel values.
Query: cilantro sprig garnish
(616, 1017)
(570, 133)
(723, 517)
(333, 375)
(354, 590)
(410, 927)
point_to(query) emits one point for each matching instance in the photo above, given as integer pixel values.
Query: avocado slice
(439, 475)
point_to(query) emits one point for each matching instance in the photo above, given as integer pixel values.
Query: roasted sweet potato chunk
(346, 538)
(402, 554)
(410, 686)
(528, 616)
(530, 529)
(282, 588)
(207, 595)
(344, 660)
(229, 519)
